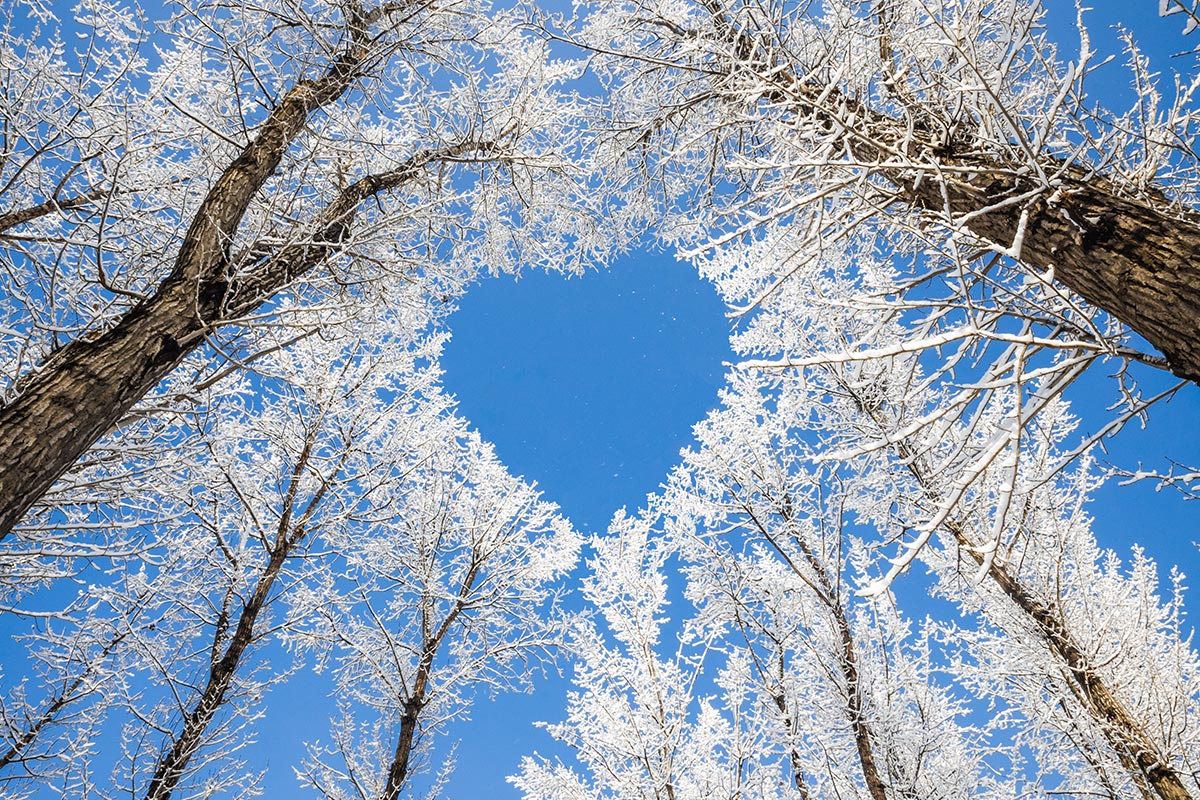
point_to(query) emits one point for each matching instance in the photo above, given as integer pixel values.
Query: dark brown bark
(173, 765)
(1133, 259)
(85, 388)
(409, 718)
(1136, 258)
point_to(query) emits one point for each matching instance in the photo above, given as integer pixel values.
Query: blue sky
(589, 387)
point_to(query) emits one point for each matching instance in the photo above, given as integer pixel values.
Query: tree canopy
(230, 236)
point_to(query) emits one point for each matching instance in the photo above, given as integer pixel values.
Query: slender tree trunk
(288, 536)
(410, 717)
(1136, 750)
(402, 757)
(781, 703)
(848, 664)
(827, 595)
(173, 765)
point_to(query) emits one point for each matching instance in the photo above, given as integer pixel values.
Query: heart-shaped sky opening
(590, 385)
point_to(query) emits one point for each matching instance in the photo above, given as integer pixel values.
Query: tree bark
(398, 769)
(431, 642)
(83, 390)
(1132, 259)
(173, 765)
(1136, 258)
(88, 385)
(289, 535)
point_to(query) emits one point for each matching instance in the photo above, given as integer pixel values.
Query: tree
(633, 722)
(991, 484)
(927, 233)
(139, 227)
(935, 159)
(173, 651)
(936, 124)
(770, 570)
(1086, 674)
(444, 591)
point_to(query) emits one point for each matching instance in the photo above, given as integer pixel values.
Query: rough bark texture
(86, 387)
(21, 216)
(409, 718)
(1129, 258)
(89, 384)
(1137, 259)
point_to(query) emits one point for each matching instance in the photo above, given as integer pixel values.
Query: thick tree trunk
(87, 386)
(84, 389)
(1139, 260)
(1129, 258)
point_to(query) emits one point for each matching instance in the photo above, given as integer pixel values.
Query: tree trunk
(1136, 750)
(173, 765)
(85, 388)
(398, 769)
(1137, 259)
(1129, 258)
(827, 594)
(848, 664)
